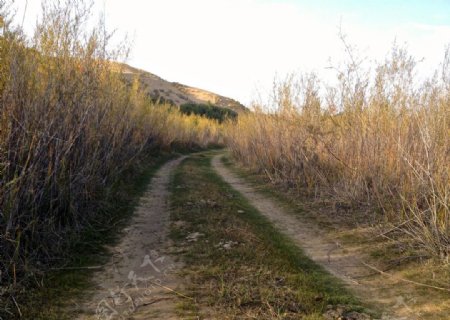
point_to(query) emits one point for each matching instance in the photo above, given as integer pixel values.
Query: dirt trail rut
(344, 264)
(139, 282)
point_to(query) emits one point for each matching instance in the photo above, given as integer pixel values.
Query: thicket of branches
(69, 126)
(377, 139)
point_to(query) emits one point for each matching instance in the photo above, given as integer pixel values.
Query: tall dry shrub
(377, 139)
(69, 125)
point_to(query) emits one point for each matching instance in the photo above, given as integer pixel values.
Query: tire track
(343, 263)
(139, 281)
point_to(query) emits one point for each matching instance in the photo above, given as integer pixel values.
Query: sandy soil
(139, 281)
(391, 296)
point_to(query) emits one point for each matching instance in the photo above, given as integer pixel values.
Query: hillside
(177, 93)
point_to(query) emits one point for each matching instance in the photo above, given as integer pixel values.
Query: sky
(237, 47)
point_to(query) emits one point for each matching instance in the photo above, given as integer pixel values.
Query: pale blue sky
(235, 47)
(384, 12)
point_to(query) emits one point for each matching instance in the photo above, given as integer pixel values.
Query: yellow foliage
(69, 125)
(388, 147)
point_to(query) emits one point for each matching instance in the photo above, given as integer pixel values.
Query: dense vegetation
(69, 126)
(377, 140)
(209, 111)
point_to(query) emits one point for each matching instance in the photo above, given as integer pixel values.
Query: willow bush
(377, 139)
(69, 125)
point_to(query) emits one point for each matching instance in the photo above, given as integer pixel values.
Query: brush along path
(139, 281)
(347, 265)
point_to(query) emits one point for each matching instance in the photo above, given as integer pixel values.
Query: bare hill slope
(177, 93)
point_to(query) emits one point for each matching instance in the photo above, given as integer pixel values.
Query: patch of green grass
(51, 296)
(262, 274)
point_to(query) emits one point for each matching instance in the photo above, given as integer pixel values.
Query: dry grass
(376, 139)
(69, 126)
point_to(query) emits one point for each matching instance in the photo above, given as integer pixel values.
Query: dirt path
(343, 263)
(139, 282)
